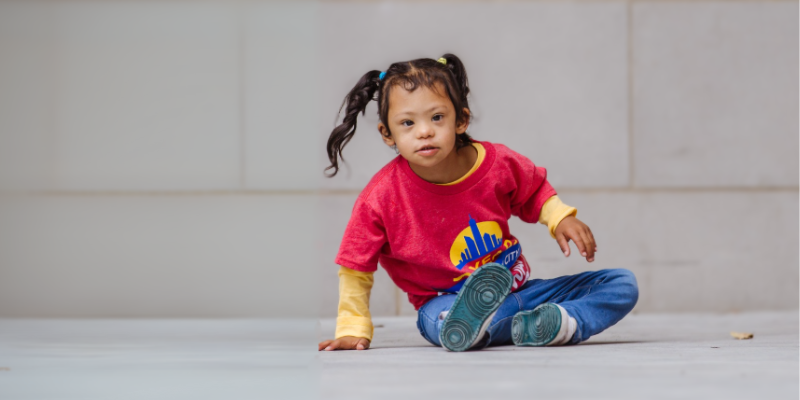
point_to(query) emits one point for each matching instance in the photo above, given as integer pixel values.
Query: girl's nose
(425, 131)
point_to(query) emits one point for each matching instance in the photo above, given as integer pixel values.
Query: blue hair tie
(380, 77)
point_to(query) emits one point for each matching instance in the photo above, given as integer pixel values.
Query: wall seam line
(242, 101)
(777, 189)
(631, 162)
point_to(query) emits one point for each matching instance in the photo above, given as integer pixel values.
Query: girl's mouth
(428, 151)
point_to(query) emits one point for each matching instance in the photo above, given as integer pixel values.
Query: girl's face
(424, 128)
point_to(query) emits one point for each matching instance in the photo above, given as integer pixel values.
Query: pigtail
(355, 102)
(459, 72)
(456, 68)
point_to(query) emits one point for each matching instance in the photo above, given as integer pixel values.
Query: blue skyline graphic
(478, 245)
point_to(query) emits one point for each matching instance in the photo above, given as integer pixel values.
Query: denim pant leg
(596, 299)
(428, 321)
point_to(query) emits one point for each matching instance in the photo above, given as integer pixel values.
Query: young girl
(436, 218)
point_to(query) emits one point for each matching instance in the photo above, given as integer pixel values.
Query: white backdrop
(165, 159)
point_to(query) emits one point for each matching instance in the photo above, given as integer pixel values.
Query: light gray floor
(642, 357)
(158, 359)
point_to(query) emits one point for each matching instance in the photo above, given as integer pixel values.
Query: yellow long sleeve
(354, 318)
(553, 211)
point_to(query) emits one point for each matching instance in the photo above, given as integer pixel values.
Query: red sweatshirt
(430, 237)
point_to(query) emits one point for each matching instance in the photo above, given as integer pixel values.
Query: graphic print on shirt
(478, 240)
(480, 244)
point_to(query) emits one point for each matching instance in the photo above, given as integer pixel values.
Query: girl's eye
(437, 117)
(407, 123)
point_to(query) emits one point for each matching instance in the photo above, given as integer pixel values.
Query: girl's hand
(345, 343)
(571, 228)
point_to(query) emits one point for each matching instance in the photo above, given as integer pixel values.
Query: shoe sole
(476, 303)
(538, 327)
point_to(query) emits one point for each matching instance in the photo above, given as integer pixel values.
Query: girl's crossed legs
(597, 300)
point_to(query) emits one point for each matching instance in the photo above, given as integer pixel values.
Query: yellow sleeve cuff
(553, 211)
(354, 318)
(354, 326)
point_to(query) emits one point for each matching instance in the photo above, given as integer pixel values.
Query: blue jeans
(597, 300)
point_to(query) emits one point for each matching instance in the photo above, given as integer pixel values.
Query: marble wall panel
(159, 256)
(726, 251)
(146, 96)
(715, 94)
(26, 84)
(281, 82)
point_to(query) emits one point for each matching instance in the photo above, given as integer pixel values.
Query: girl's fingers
(589, 243)
(578, 240)
(325, 344)
(591, 237)
(344, 344)
(563, 243)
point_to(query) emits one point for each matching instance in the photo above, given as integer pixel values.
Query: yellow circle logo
(476, 241)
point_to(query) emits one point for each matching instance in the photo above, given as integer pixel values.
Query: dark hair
(409, 75)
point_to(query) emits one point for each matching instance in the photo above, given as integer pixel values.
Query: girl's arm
(553, 212)
(563, 226)
(354, 318)
(354, 327)
(534, 199)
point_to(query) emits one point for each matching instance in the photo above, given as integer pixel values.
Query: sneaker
(476, 303)
(547, 325)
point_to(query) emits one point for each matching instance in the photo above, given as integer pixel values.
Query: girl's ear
(461, 126)
(387, 137)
